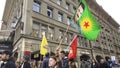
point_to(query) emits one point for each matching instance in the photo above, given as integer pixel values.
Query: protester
(59, 63)
(25, 63)
(57, 52)
(52, 54)
(108, 62)
(118, 63)
(7, 63)
(1, 60)
(45, 61)
(35, 64)
(72, 63)
(84, 61)
(17, 63)
(53, 62)
(98, 58)
(101, 62)
(94, 63)
(65, 61)
(40, 64)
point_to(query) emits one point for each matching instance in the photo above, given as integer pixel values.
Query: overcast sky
(110, 6)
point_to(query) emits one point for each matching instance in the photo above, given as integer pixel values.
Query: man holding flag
(44, 52)
(73, 52)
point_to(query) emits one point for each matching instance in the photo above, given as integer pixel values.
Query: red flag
(73, 48)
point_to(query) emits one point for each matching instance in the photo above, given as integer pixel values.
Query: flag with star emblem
(84, 19)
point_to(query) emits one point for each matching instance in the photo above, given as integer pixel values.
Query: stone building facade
(30, 18)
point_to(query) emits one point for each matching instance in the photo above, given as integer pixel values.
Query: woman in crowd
(53, 62)
(17, 63)
(85, 63)
(94, 63)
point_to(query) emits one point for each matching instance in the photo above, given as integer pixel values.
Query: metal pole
(91, 50)
(63, 37)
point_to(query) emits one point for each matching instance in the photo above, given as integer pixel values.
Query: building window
(68, 20)
(61, 34)
(85, 44)
(34, 47)
(74, 9)
(36, 6)
(35, 29)
(67, 6)
(79, 41)
(59, 2)
(50, 12)
(60, 17)
(66, 38)
(70, 36)
(19, 13)
(50, 33)
(44, 29)
(14, 22)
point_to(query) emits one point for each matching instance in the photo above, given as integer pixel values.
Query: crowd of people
(6, 61)
(56, 60)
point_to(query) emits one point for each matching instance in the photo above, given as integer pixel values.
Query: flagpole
(63, 37)
(71, 22)
(72, 40)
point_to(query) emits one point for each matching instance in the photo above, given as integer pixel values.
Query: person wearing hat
(7, 62)
(25, 63)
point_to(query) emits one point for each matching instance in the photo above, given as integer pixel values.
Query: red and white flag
(73, 48)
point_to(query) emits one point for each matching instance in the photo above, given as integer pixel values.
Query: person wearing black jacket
(108, 62)
(45, 63)
(65, 61)
(25, 63)
(7, 62)
(101, 62)
(94, 63)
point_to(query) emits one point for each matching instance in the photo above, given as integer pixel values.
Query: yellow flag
(43, 46)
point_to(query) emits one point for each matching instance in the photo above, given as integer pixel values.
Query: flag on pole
(43, 46)
(84, 19)
(73, 48)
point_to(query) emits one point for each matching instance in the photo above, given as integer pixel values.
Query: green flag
(85, 22)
